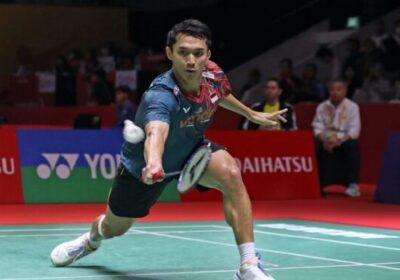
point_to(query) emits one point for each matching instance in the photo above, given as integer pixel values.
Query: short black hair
(276, 80)
(338, 80)
(124, 89)
(192, 27)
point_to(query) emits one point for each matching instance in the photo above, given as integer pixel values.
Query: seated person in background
(336, 128)
(271, 103)
(289, 82)
(313, 89)
(125, 108)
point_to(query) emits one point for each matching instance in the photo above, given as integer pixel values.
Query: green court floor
(291, 249)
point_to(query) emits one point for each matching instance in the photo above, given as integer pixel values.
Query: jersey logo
(186, 109)
(209, 75)
(176, 91)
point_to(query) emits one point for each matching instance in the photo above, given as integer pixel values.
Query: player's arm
(156, 135)
(231, 103)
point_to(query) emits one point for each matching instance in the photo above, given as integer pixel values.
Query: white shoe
(353, 190)
(71, 251)
(252, 270)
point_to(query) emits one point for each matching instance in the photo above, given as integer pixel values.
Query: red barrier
(24, 89)
(274, 165)
(10, 173)
(59, 116)
(377, 121)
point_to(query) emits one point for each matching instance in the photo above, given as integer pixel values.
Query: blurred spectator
(336, 128)
(380, 34)
(354, 57)
(328, 65)
(106, 60)
(375, 88)
(24, 59)
(88, 62)
(396, 92)
(125, 108)
(101, 89)
(253, 78)
(396, 31)
(391, 57)
(271, 103)
(289, 82)
(353, 82)
(371, 55)
(313, 89)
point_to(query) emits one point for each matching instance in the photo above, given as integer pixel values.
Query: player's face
(337, 92)
(188, 56)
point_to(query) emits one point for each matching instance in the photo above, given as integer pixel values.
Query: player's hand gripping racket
(192, 171)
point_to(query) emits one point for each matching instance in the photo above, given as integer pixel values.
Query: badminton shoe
(252, 270)
(353, 190)
(71, 251)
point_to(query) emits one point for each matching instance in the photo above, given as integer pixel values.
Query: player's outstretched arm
(267, 119)
(156, 135)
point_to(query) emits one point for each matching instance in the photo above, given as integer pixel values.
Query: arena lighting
(353, 22)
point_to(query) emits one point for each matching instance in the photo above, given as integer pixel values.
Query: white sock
(94, 244)
(247, 251)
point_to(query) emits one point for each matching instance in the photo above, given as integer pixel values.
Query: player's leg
(129, 199)
(109, 225)
(105, 227)
(223, 174)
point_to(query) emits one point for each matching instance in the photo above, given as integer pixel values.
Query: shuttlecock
(132, 133)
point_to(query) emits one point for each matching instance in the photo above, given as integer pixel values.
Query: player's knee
(231, 177)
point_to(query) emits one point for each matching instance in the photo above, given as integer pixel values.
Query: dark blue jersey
(188, 117)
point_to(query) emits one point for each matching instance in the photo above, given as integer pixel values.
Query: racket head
(194, 169)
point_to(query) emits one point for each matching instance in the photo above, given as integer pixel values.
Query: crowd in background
(370, 68)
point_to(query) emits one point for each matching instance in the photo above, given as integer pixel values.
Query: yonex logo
(186, 109)
(100, 165)
(63, 170)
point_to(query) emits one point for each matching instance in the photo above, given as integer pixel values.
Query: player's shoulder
(159, 94)
(212, 70)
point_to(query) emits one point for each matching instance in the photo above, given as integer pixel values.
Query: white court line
(130, 232)
(320, 239)
(125, 275)
(268, 250)
(171, 273)
(206, 241)
(386, 263)
(87, 228)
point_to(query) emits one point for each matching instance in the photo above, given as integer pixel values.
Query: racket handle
(157, 176)
(160, 175)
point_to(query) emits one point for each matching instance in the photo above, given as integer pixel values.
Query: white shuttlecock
(132, 133)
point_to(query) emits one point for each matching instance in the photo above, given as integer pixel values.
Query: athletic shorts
(130, 197)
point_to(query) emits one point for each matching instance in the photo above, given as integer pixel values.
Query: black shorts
(130, 197)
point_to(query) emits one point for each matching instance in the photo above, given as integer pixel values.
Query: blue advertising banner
(69, 166)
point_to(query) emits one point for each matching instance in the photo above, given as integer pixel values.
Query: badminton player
(174, 114)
